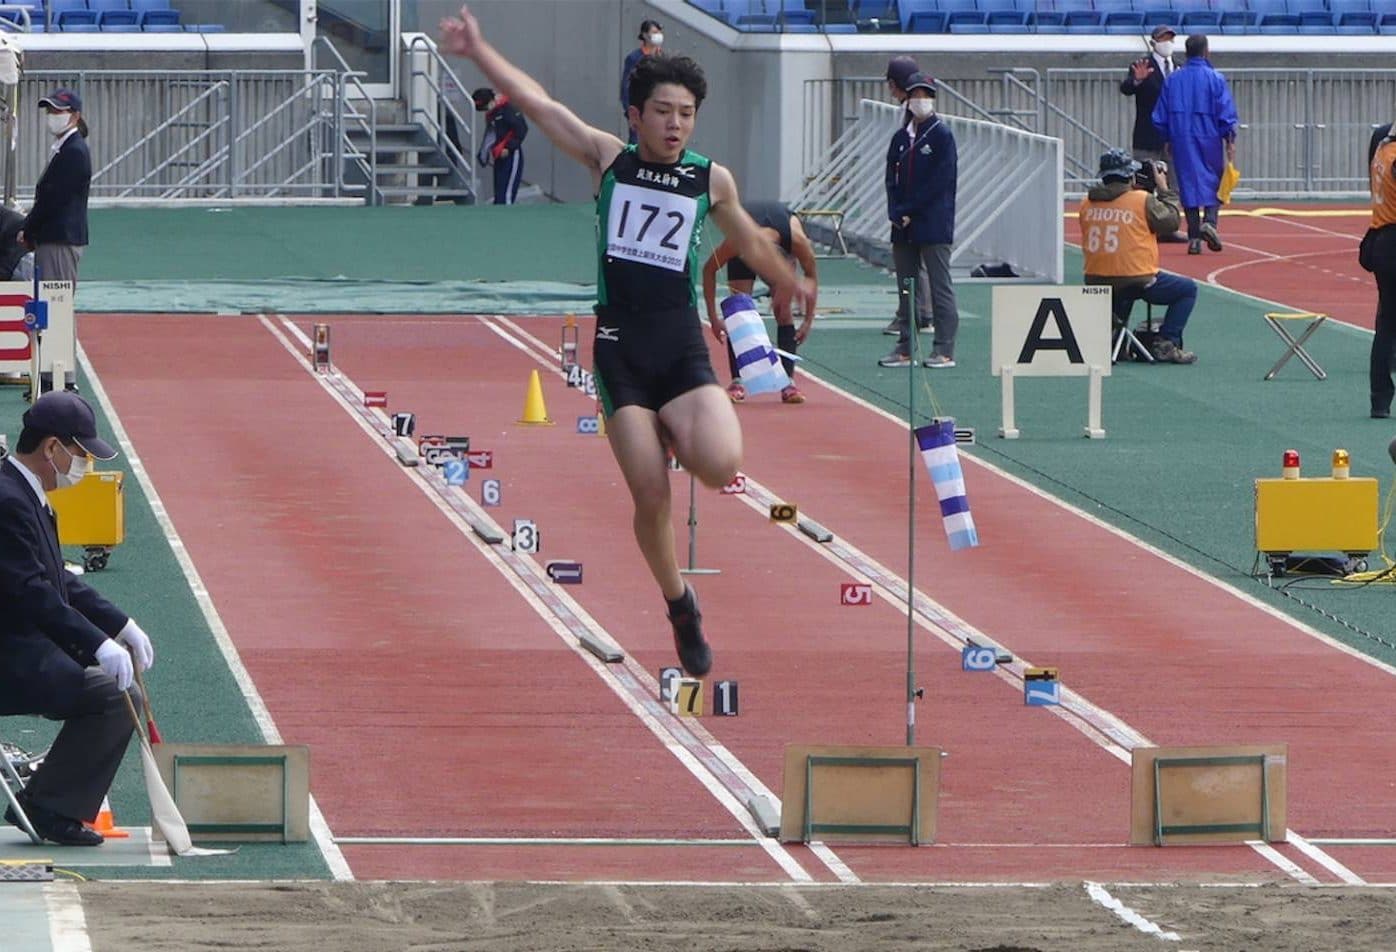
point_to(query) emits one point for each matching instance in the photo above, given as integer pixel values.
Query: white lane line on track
(1107, 730)
(319, 829)
(537, 841)
(1323, 859)
(67, 923)
(612, 679)
(1101, 896)
(1274, 856)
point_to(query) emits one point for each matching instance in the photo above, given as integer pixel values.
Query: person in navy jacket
(56, 227)
(502, 143)
(63, 647)
(921, 177)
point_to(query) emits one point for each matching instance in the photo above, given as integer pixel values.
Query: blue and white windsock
(757, 363)
(937, 444)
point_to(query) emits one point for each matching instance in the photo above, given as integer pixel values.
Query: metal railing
(360, 114)
(440, 82)
(1009, 195)
(195, 134)
(1303, 131)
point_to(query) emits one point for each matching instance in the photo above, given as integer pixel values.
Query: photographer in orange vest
(1120, 219)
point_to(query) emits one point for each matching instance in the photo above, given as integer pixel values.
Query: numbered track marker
(574, 375)
(784, 512)
(975, 658)
(589, 425)
(725, 699)
(736, 487)
(480, 459)
(668, 677)
(525, 536)
(375, 398)
(456, 472)
(404, 424)
(688, 698)
(855, 593)
(564, 573)
(491, 493)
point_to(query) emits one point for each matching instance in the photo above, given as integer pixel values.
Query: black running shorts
(647, 358)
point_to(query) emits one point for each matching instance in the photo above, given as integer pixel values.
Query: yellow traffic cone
(105, 823)
(535, 413)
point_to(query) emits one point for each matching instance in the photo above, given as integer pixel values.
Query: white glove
(139, 642)
(116, 663)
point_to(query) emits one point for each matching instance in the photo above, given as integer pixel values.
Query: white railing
(1009, 196)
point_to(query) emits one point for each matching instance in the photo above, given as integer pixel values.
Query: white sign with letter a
(1050, 330)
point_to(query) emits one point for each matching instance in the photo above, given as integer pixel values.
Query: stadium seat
(1199, 21)
(119, 21)
(1357, 23)
(1274, 23)
(953, 6)
(927, 21)
(1386, 26)
(989, 6)
(1066, 6)
(1006, 21)
(1155, 15)
(1315, 21)
(792, 16)
(161, 21)
(102, 6)
(876, 14)
(1262, 7)
(748, 15)
(1047, 21)
(1339, 7)
(710, 7)
(1083, 21)
(76, 21)
(966, 21)
(1124, 21)
(1234, 22)
(1301, 7)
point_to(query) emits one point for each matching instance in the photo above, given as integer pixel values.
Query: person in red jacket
(503, 141)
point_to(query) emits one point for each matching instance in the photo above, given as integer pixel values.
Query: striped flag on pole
(757, 363)
(937, 444)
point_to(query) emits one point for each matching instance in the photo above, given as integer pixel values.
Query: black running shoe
(694, 653)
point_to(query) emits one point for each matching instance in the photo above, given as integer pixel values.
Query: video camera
(1144, 178)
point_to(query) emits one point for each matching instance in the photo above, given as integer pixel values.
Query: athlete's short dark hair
(654, 70)
(1196, 45)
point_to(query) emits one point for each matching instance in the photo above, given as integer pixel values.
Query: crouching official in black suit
(63, 647)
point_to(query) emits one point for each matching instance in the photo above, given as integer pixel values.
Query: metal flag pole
(909, 290)
(693, 533)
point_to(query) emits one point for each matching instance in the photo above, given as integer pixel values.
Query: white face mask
(57, 122)
(1164, 48)
(78, 467)
(921, 108)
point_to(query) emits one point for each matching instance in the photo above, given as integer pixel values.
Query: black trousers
(1384, 340)
(80, 767)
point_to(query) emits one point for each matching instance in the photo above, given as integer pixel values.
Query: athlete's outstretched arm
(803, 250)
(755, 249)
(590, 146)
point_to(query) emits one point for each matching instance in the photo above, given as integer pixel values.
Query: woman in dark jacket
(921, 177)
(56, 227)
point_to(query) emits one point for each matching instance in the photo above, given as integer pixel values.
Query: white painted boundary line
(1323, 859)
(1273, 855)
(320, 830)
(777, 851)
(67, 923)
(1101, 896)
(536, 841)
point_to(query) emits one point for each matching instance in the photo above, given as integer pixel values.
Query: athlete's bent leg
(707, 438)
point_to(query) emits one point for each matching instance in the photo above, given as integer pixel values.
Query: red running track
(368, 621)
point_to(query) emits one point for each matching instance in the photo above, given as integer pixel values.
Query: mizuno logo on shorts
(607, 333)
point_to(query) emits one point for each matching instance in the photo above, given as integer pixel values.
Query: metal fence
(196, 134)
(1008, 198)
(1303, 131)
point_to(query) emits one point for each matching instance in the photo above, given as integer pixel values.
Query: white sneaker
(938, 361)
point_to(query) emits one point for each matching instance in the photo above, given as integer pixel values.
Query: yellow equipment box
(92, 514)
(1316, 515)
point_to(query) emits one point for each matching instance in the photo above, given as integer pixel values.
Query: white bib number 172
(650, 226)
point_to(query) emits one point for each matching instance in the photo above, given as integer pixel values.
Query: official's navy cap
(1163, 32)
(66, 415)
(920, 81)
(64, 99)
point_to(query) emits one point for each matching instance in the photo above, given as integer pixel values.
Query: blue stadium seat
(1356, 23)
(1007, 21)
(1235, 22)
(989, 6)
(1315, 21)
(710, 7)
(793, 17)
(1273, 23)
(1199, 21)
(119, 21)
(1047, 21)
(55, 7)
(1262, 7)
(161, 21)
(1066, 6)
(102, 6)
(749, 15)
(951, 6)
(966, 21)
(1083, 21)
(927, 21)
(1124, 21)
(1339, 7)
(908, 9)
(76, 21)
(1183, 7)
(1114, 6)
(1300, 7)
(1155, 15)
(877, 14)
(1386, 26)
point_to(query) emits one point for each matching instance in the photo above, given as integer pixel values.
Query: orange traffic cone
(535, 413)
(105, 823)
